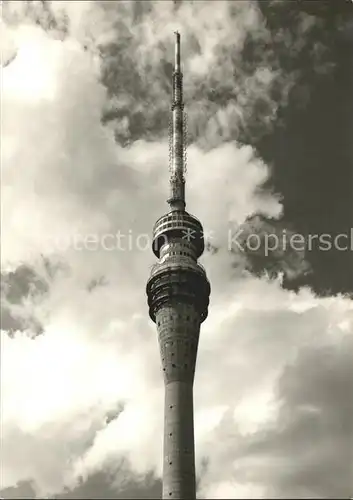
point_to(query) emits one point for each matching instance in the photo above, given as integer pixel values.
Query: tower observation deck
(178, 296)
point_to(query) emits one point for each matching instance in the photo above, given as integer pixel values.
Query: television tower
(178, 296)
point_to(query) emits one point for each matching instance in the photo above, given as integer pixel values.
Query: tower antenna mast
(177, 177)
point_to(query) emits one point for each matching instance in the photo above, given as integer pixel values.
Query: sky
(86, 94)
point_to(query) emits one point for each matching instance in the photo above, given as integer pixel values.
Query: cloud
(237, 75)
(79, 181)
(86, 395)
(59, 387)
(232, 82)
(305, 452)
(300, 361)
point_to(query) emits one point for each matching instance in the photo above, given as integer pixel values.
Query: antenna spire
(177, 180)
(177, 51)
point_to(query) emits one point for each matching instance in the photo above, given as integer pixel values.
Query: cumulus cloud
(86, 394)
(236, 59)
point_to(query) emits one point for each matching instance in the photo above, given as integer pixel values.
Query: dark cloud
(16, 287)
(38, 12)
(310, 443)
(268, 249)
(102, 486)
(310, 147)
(240, 93)
(98, 486)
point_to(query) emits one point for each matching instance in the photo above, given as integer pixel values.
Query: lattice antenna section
(170, 143)
(185, 141)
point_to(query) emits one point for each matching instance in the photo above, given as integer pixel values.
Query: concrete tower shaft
(178, 296)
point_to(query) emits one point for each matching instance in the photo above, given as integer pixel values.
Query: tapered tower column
(178, 296)
(178, 333)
